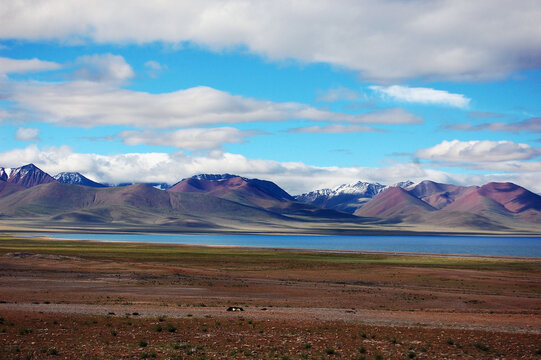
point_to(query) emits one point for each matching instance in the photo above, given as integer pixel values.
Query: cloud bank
(90, 103)
(11, 66)
(382, 40)
(294, 177)
(479, 151)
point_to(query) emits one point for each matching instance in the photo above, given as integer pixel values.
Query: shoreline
(295, 249)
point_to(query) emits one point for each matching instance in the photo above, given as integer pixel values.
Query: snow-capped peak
(69, 177)
(360, 188)
(404, 184)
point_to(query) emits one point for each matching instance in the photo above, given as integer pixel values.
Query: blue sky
(309, 94)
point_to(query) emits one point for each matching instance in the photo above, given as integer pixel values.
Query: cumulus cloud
(294, 177)
(383, 40)
(333, 129)
(422, 95)
(8, 65)
(103, 67)
(87, 104)
(27, 134)
(189, 139)
(531, 125)
(479, 151)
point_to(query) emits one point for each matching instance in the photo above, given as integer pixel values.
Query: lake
(469, 245)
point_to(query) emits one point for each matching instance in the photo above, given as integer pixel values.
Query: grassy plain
(101, 299)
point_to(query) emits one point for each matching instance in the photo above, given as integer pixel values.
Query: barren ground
(73, 299)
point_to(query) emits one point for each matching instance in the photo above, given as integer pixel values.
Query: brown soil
(67, 307)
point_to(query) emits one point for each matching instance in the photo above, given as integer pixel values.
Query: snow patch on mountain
(215, 177)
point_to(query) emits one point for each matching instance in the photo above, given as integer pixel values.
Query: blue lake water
(471, 245)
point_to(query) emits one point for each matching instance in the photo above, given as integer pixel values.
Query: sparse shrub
(362, 350)
(25, 331)
(53, 351)
(142, 343)
(450, 341)
(158, 328)
(378, 357)
(330, 351)
(480, 346)
(161, 318)
(233, 353)
(393, 340)
(114, 333)
(307, 346)
(411, 354)
(171, 328)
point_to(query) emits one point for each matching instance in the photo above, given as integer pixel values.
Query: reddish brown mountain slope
(439, 195)
(27, 176)
(246, 191)
(394, 202)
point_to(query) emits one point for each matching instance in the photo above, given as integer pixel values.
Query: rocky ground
(149, 301)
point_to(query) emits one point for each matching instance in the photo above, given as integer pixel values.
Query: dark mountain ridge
(76, 178)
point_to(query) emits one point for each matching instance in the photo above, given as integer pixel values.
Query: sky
(308, 94)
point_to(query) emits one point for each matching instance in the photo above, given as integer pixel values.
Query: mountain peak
(345, 197)
(28, 175)
(214, 177)
(76, 178)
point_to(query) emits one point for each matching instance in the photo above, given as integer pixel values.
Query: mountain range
(31, 198)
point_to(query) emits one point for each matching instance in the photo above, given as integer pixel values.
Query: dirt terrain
(79, 299)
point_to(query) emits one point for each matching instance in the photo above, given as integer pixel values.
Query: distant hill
(253, 192)
(494, 206)
(395, 202)
(225, 202)
(439, 195)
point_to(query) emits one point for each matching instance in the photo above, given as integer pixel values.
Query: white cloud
(8, 66)
(87, 104)
(189, 139)
(479, 151)
(27, 134)
(154, 68)
(294, 177)
(103, 67)
(422, 95)
(333, 129)
(383, 40)
(338, 94)
(154, 65)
